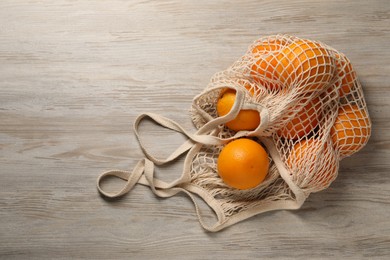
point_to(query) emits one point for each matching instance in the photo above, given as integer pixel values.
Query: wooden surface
(75, 74)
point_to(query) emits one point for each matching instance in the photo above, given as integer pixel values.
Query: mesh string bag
(312, 115)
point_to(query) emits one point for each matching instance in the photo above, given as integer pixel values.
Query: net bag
(312, 114)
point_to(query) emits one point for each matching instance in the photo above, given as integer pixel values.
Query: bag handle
(143, 172)
(147, 163)
(170, 124)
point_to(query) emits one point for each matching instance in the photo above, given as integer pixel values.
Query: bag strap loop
(143, 173)
(199, 137)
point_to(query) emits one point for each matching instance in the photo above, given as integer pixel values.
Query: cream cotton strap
(170, 124)
(143, 172)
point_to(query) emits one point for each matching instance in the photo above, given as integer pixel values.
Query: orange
(267, 46)
(351, 129)
(307, 62)
(304, 122)
(263, 73)
(243, 164)
(245, 120)
(346, 74)
(262, 70)
(313, 164)
(302, 62)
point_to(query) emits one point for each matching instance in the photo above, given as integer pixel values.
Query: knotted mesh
(316, 115)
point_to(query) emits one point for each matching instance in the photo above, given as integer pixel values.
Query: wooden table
(75, 74)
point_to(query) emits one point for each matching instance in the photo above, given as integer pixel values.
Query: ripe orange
(267, 46)
(313, 164)
(304, 122)
(351, 129)
(262, 69)
(243, 164)
(302, 62)
(245, 120)
(346, 74)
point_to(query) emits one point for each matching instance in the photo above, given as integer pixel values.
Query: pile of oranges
(309, 67)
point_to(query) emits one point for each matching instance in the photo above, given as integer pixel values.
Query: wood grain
(75, 74)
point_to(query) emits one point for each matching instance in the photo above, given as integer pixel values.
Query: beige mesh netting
(312, 114)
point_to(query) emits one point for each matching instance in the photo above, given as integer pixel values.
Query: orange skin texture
(261, 67)
(351, 130)
(243, 164)
(245, 120)
(304, 153)
(265, 47)
(304, 121)
(304, 62)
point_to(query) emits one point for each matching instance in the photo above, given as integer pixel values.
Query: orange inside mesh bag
(312, 114)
